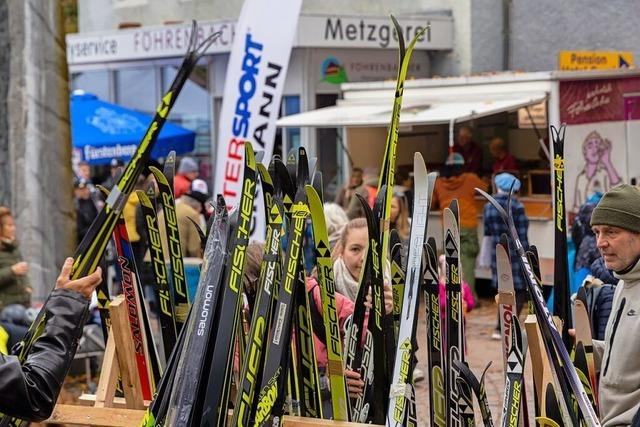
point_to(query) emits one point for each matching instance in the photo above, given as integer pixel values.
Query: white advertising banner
(254, 81)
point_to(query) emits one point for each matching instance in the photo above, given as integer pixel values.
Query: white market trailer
(601, 109)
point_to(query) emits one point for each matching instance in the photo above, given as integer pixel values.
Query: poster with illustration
(594, 160)
(597, 142)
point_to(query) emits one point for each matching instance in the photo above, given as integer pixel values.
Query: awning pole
(452, 124)
(537, 131)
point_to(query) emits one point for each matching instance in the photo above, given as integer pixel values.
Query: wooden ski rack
(103, 408)
(288, 421)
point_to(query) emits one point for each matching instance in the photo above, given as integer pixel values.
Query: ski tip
(398, 29)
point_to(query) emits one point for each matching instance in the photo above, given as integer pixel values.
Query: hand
(572, 332)
(20, 269)
(355, 386)
(388, 298)
(606, 152)
(84, 285)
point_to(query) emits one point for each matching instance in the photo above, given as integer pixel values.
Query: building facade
(336, 42)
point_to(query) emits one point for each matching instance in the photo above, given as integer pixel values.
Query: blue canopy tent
(101, 131)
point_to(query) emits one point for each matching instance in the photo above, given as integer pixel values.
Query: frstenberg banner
(253, 88)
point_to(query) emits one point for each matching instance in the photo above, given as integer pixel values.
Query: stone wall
(35, 149)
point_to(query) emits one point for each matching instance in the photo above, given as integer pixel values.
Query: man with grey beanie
(187, 171)
(616, 224)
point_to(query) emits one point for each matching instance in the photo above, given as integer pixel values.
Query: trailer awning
(441, 110)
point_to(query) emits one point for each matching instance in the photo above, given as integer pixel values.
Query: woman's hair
(251, 273)
(351, 225)
(335, 218)
(402, 222)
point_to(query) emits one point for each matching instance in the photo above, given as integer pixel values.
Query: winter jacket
(189, 237)
(601, 305)
(86, 212)
(29, 391)
(461, 187)
(344, 309)
(181, 184)
(467, 296)
(13, 289)
(600, 271)
(619, 354)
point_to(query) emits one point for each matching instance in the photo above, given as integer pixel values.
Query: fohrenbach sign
(313, 31)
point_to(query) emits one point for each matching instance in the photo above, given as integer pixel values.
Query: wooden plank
(121, 331)
(538, 357)
(84, 415)
(106, 390)
(86, 399)
(288, 421)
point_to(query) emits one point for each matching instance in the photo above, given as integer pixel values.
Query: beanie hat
(505, 180)
(619, 207)
(187, 164)
(454, 159)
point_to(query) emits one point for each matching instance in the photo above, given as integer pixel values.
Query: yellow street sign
(594, 60)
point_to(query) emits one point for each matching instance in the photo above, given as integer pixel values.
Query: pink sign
(589, 101)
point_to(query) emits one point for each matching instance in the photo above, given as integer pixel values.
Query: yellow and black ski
(159, 269)
(178, 277)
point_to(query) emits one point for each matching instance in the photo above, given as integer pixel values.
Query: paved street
(481, 349)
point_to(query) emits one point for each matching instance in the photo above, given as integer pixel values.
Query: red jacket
(344, 309)
(181, 185)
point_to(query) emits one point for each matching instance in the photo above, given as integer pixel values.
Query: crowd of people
(606, 233)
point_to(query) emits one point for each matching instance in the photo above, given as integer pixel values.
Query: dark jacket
(29, 391)
(13, 289)
(603, 298)
(86, 212)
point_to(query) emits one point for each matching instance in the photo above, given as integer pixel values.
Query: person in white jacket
(616, 224)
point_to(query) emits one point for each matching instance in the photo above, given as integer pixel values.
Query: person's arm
(485, 220)
(30, 390)
(6, 276)
(522, 226)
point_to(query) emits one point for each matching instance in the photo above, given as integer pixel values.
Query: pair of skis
(401, 384)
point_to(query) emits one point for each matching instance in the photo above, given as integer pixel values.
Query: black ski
(437, 382)
(561, 288)
(214, 411)
(189, 382)
(515, 371)
(275, 368)
(478, 389)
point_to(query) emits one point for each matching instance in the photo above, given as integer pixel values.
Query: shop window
(96, 82)
(192, 110)
(136, 89)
